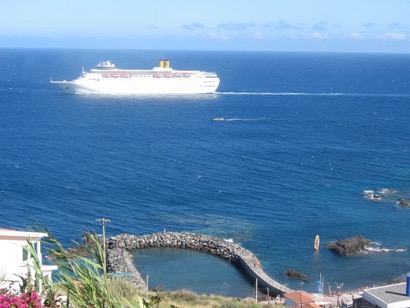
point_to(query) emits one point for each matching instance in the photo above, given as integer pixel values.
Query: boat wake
(220, 119)
(278, 93)
(311, 94)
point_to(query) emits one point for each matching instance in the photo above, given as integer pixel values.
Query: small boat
(218, 119)
(317, 242)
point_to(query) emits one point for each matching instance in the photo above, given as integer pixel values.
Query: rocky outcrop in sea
(349, 246)
(296, 275)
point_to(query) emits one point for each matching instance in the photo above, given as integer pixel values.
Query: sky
(259, 25)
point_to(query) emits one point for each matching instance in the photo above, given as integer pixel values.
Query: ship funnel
(161, 63)
(166, 64)
(408, 284)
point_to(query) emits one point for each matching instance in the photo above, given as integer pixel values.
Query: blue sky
(273, 25)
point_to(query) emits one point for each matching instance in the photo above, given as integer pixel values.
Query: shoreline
(120, 262)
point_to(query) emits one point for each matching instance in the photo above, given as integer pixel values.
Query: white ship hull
(159, 80)
(137, 86)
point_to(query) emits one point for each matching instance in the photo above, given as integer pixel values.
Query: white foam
(369, 194)
(386, 191)
(376, 248)
(245, 119)
(373, 197)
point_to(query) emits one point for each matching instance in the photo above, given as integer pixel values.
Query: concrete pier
(120, 261)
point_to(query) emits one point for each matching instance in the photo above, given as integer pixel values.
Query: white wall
(11, 252)
(12, 264)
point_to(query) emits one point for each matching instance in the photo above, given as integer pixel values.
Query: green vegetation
(82, 277)
(83, 281)
(185, 298)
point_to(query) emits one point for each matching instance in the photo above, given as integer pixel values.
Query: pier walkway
(119, 260)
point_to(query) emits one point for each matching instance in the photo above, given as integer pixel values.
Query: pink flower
(25, 300)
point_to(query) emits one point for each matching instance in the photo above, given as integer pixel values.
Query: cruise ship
(106, 78)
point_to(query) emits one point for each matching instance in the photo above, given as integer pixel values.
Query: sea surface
(305, 134)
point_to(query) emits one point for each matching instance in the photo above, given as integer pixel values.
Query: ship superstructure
(106, 78)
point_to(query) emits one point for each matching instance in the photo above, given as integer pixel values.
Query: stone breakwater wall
(120, 260)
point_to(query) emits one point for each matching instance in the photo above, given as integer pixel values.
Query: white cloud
(216, 36)
(193, 26)
(396, 26)
(317, 35)
(257, 35)
(320, 26)
(234, 26)
(281, 25)
(393, 36)
(369, 25)
(356, 36)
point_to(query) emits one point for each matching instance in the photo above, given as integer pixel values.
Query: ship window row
(126, 76)
(145, 76)
(171, 76)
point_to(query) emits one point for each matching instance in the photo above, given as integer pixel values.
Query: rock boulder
(349, 246)
(296, 275)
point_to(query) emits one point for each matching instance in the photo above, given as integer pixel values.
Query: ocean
(305, 134)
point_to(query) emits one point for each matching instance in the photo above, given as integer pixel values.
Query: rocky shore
(120, 260)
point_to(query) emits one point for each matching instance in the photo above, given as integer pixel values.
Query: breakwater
(120, 260)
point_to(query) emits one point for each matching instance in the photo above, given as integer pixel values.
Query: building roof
(18, 235)
(300, 297)
(309, 305)
(322, 300)
(389, 294)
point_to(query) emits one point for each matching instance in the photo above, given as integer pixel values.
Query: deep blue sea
(305, 134)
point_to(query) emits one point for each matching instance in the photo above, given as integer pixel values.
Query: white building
(15, 260)
(389, 296)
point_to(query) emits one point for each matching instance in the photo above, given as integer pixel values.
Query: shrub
(24, 300)
(189, 297)
(121, 288)
(82, 275)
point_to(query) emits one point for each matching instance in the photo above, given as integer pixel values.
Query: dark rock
(296, 275)
(349, 246)
(404, 202)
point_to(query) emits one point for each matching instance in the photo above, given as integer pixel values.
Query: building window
(25, 252)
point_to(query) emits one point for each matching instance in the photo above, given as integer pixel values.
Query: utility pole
(339, 287)
(104, 221)
(256, 290)
(147, 290)
(267, 289)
